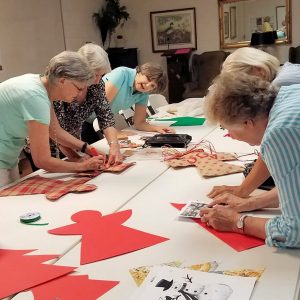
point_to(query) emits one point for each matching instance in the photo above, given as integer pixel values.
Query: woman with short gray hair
(254, 111)
(25, 109)
(92, 99)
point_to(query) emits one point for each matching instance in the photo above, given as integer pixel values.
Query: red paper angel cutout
(20, 272)
(237, 241)
(72, 288)
(52, 188)
(105, 236)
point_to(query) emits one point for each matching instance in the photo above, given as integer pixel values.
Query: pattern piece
(237, 241)
(52, 188)
(72, 288)
(209, 165)
(21, 272)
(113, 169)
(105, 236)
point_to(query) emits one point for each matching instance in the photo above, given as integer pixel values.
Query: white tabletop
(153, 213)
(113, 191)
(189, 242)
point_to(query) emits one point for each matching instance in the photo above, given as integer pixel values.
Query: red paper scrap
(237, 241)
(73, 288)
(105, 236)
(20, 272)
(183, 51)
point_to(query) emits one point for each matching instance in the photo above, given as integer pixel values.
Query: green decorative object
(185, 121)
(109, 17)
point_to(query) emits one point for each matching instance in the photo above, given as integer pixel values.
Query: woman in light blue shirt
(253, 111)
(25, 110)
(127, 87)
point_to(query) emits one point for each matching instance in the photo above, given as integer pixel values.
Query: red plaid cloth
(52, 188)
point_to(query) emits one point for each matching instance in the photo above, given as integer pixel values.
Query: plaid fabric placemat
(52, 188)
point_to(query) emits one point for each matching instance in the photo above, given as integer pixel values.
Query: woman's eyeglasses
(79, 89)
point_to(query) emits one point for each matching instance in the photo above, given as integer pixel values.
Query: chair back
(156, 101)
(294, 55)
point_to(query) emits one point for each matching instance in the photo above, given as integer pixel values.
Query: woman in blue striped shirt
(254, 111)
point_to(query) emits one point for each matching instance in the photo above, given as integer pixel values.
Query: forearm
(65, 139)
(255, 178)
(144, 126)
(110, 134)
(52, 164)
(266, 200)
(69, 153)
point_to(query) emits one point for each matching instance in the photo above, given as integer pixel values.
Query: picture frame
(232, 11)
(173, 29)
(226, 25)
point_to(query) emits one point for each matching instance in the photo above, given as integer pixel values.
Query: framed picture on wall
(173, 29)
(232, 11)
(226, 25)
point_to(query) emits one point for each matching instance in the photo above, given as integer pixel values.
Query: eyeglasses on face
(79, 89)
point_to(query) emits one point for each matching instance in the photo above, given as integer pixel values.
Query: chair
(294, 55)
(119, 120)
(205, 67)
(156, 101)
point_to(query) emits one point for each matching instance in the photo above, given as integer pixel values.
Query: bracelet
(112, 142)
(84, 147)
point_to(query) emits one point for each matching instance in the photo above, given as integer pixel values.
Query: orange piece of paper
(105, 236)
(72, 288)
(21, 272)
(237, 241)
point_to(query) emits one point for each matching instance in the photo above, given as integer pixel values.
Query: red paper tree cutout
(72, 288)
(237, 241)
(105, 236)
(20, 272)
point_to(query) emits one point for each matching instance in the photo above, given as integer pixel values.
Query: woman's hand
(163, 129)
(220, 218)
(222, 189)
(115, 157)
(93, 163)
(233, 202)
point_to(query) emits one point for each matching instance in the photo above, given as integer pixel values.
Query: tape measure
(30, 218)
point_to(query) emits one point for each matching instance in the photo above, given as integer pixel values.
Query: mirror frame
(224, 45)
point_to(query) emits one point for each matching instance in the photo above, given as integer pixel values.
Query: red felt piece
(237, 241)
(52, 188)
(105, 236)
(72, 288)
(20, 272)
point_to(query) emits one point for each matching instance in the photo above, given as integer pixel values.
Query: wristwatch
(241, 222)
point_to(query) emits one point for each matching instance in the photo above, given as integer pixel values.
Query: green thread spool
(30, 218)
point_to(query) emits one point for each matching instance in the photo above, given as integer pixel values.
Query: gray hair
(69, 65)
(96, 56)
(154, 72)
(237, 97)
(245, 59)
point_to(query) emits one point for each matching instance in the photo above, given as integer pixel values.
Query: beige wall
(31, 31)
(26, 32)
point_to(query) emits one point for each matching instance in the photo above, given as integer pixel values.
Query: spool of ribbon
(30, 218)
